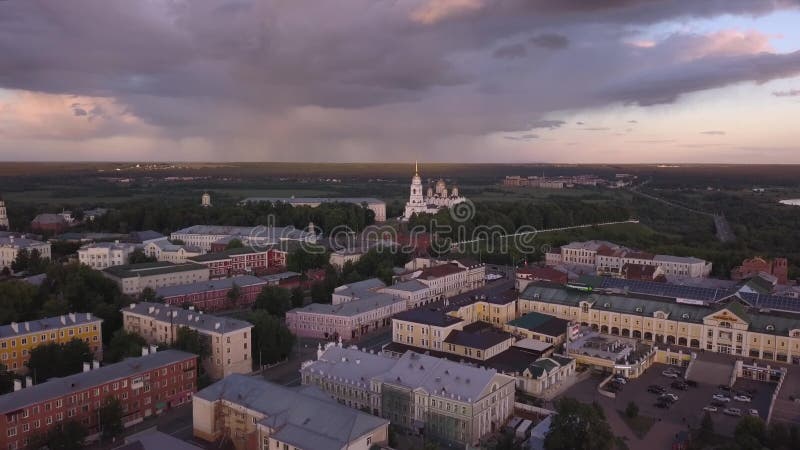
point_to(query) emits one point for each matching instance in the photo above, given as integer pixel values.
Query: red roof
(439, 271)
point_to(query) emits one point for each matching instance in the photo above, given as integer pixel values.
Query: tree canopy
(272, 341)
(58, 360)
(123, 345)
(275, 300)
(578, 426)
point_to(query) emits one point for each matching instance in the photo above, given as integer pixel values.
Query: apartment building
(134, 278)
(100, 255)
(17, 339)
(348, 320)
(258, 415)
(11, 245)
(414, 292)
(609, 258)
(145, 386)
(424, 328)
(453, 403)
(496, 310)
(163, 250)
(203, 236)
(214, 295)
(237, 261)
(738, 324)
(229, 340)
(354, 291)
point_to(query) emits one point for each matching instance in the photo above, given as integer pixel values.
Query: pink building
(347, 320)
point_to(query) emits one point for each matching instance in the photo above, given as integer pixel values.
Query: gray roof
(351, 308)
(435, 375)
(350, 363)
(188, 318)
(427, 317)
(678, 259)
(18, 242)
(151, 268)
(111, 245)
(294, 200)
(360, 288)
(59, 387)
(305, 420)
(49, 218)
(260, 232)
(153, 439)
(409, 286)
(141, 236)
(210, 285)
(46, 324)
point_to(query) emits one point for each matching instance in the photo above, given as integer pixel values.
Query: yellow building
(496, 311)
(729, 325)
(18, 339)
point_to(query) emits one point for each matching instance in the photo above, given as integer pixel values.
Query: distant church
(431, 202)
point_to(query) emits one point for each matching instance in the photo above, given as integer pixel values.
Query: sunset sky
(398, 80)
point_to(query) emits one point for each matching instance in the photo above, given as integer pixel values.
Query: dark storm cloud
(309, 76)
(550, 41)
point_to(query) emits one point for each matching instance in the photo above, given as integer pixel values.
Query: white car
(753, 412)
(721, 398)
(670, 374)
(620, 380)
(732, 412)
(742, 398)
(670, 396)
(710, 408)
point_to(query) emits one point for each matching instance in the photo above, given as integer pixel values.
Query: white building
(436, 198)
(443, 278)
(163, 250)
(134, 278)
(205, 200)
(11, 245)
(3, 215)
(100, 255)
(202, 236)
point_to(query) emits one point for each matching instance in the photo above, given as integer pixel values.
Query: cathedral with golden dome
(430, 201)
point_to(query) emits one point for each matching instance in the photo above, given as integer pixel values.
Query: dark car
(717, 403)
(691, 383)
(724, 388)
(679, 385)
(663, 404)
(656, 389)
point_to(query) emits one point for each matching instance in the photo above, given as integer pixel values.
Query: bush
(632, 410)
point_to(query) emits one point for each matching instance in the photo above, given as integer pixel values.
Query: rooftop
(541, 323)
(49, 323)
(19, 242)
(350, 363)
(408, 286)
(59, 387)
(481, 339)
(193, 319)
(210, 285)
(301, 418)
(218, 256)
(427, 317)
(151, 268)
(153, 439)
(360, 288)
(351, 308)
(438, 271)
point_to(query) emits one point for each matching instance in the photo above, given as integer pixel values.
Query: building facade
(144, 386)
(11, 245)
(101, 255)
(436, 198)
(777, 267)
(4, 225)
(450, 402)
(258, 415)
(347, 320)
(202, 236)
(235, 261)
(214, 295)
(229, 340)
(163, 250)
(134, 278)
(17, 339)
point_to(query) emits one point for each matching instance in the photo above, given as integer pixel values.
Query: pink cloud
(434, 11)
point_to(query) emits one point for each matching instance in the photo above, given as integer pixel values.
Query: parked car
(736, 412)
(710, 408)
(670, 374)
(724, 387)
(656, 389)
(677, 384)
(620, 380)
(721, 398)
(742, 398)
(717, 403)
(663, 404)
(670, 396)
(691, 383)
(753, 412)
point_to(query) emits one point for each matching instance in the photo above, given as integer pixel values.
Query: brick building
(213, 295)
(778, 267)
(144, 386)
(236, 261)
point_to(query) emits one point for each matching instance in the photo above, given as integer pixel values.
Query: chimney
(28, 381)
(190, 317)
(153, 348)
(63, 320)
(191, 308)
(216, 326)
(15, 327)
(87, 367)
(151, 309)
(88, 316)
(95, 364)
(27, 326)
(358, 361)
(174, 313)
(145, 350)
(17, 385)
(72, 317)
(133, 305)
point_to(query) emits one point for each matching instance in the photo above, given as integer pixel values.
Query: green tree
(138, 256)
(148, 294)
(58, 360)
(191, 341)
(632, 410)
(19, 301)
(124, 345)
(69, 435)
(578, 426)
(275, 300)
(234, 243)
(297, 297)
(6, 380)
(750, 433)
(706, 430)
(234, 294)
(307, 257)
(272, 341)
(110, 417)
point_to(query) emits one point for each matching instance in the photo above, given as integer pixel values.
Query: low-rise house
(49, 223)
(214, 295)
(134, 278)
(144, 386)
(228, 340)
(541, 327)
(414, 292)
(357, 290)
(258, 415)
(545, 374)
(101, 255)
(527, 274)
(11, 245)
(348, 320)
(17, 339)
(163, 250)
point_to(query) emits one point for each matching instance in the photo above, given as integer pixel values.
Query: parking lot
(688, 410)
